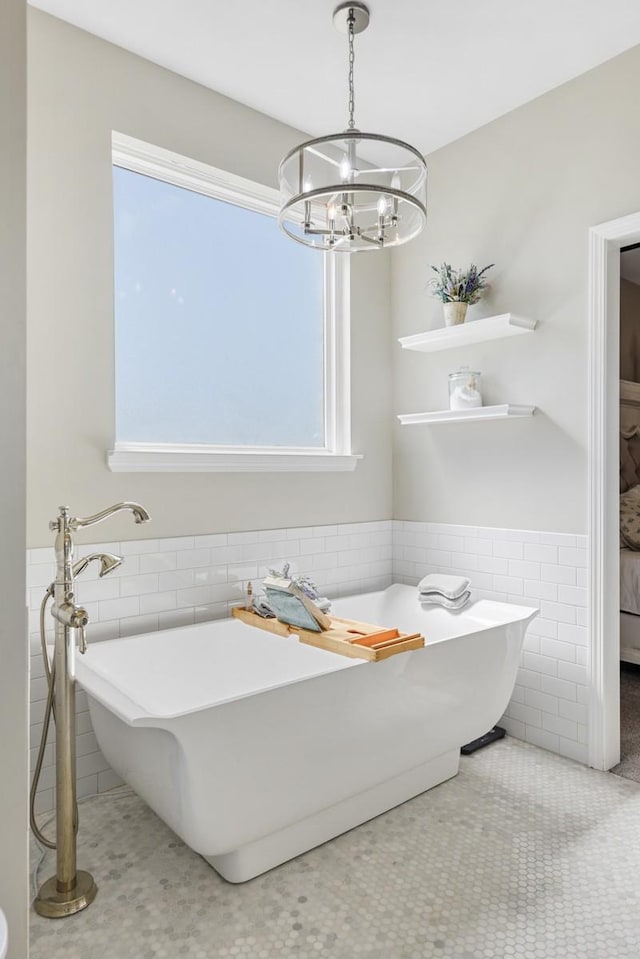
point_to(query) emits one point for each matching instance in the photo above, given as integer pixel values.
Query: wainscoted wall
(184, 580)
(176, 582)
(547, 570)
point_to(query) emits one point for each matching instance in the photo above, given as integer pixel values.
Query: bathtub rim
(133, 713)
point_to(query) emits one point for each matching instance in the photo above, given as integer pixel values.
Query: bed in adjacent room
(630, 523)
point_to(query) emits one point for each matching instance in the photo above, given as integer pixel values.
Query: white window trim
(153, 161)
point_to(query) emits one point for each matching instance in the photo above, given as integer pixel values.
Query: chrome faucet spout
(140, 515)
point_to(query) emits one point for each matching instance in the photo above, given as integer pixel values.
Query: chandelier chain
(351, 23)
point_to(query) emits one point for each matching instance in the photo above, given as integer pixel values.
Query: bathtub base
(257, 857)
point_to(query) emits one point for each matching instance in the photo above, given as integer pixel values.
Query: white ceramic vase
(454, 312)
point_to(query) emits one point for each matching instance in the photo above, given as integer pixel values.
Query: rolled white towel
(435, 599)
(441, 584)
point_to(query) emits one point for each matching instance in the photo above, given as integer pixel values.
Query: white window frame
(336, 456)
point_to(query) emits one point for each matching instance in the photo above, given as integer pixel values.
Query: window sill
(140, 458)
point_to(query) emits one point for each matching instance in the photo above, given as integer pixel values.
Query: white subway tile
(582, 655)
(157, 602)
(86, 744)
(559, 687)
(540, 664)
(508, 584)
(40, 575)
(108, 780)
(577, 712)
(558, 574)
(213, 575)
(211, 539)
(119, 608)
(577, 751)
(544, 627)
(524, 568)
(301, 532)
(91, 764)
(44, 554)
(136, 547)
(539, 590)
(531, 643)
(137, 585)
(477, 546)
(542, 738)
(157, 562)
(567, 556)
(194, 596)
(558, 539)
(493, 564)
(526, 714)
(573, 672)
(582, 577)
(560, 612)
(175, 618)
(98, 632)
(190, 558)
(573, 594)
(176, 579)
(205, 614)
(86, 786)
(454, 543)
(560, 726)
(582, 616)
(541, 553)
(564, 651)
(508, 549)
(176, 543)
(582, 542)
(133, 625)
(514, 727)
(242, 539)
(323, 531)
(540, 700)
(93, 591)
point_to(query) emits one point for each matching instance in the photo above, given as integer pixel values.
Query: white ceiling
(427, 71)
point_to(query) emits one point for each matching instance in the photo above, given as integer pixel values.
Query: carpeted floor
(629, 765)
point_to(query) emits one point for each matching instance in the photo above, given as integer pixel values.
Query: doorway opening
(605, 244)
(629, 765)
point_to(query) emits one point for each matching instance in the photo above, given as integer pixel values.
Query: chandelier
(352, 191)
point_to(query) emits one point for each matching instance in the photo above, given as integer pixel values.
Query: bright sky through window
(219, 325)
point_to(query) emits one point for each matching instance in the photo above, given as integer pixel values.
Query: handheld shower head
(108, 562)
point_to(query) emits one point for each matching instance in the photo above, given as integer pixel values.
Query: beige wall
(521, 192)
(13, 634)
(629, 331)
(80, 89)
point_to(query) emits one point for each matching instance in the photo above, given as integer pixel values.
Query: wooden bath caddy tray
(348, 637)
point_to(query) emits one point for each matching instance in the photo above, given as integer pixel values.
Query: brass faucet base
(56, 905)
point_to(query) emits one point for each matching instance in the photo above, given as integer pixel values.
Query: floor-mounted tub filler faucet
(69, 890)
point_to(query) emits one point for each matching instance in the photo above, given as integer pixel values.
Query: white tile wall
(546, 570)
(183, 580)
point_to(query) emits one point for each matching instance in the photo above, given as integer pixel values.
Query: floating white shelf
(458, 416)
(464, 334)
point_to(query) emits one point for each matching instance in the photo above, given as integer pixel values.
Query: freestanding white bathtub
(254, 748)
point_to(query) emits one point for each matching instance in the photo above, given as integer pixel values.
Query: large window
(231, 341)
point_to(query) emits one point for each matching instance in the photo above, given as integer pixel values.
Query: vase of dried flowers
(458, 289)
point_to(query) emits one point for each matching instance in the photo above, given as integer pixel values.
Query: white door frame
(605, 242)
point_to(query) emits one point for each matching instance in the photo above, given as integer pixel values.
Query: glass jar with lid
(464, 389)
